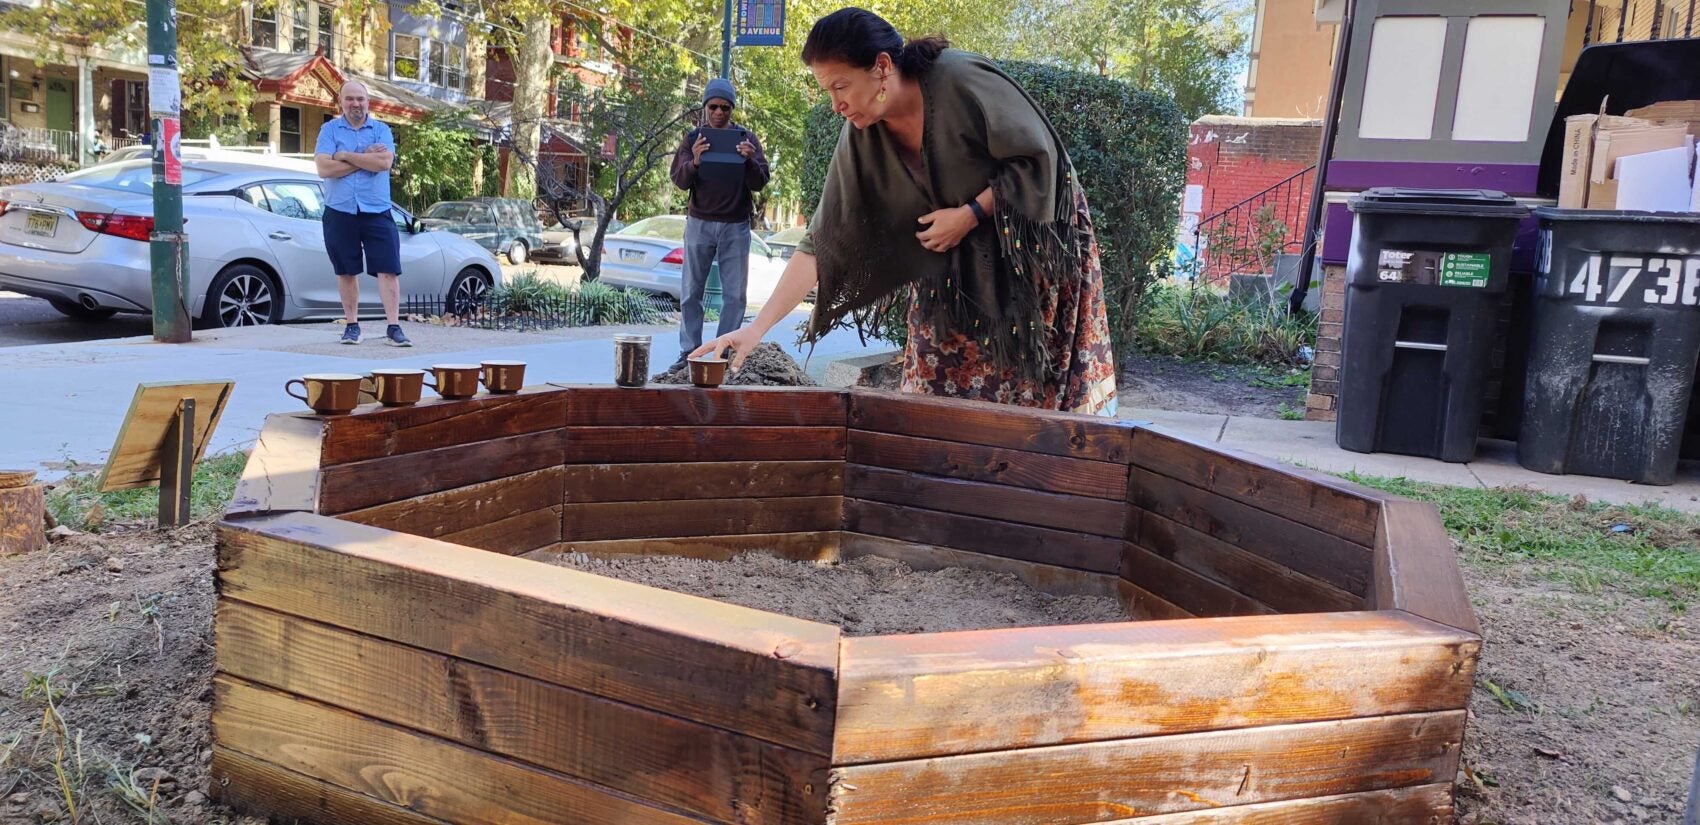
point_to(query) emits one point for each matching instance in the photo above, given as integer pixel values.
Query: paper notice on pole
(165, 92)
(169, 141)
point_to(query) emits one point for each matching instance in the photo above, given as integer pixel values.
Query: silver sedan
(650, 255)
(256, 246)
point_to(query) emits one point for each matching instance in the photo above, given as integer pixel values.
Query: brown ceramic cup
(454, 380)
(395, 388)
(327, 393)
(708, 371)
(504, 376)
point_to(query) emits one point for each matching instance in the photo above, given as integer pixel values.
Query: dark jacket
(716, 200)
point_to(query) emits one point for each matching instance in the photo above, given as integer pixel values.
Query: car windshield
(792, 236)
(443, 210)
(130, 177)
(661, 227)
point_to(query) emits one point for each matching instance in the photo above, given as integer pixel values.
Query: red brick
(1329, 330)
(1321, 415)
(1328, 359)
(1325, 373)
(1325, 387)
(1334, 316)
(1328, 345)
(1319, 402)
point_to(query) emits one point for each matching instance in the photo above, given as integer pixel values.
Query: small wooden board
(139, 453)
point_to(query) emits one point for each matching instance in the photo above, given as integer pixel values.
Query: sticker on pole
(1466, 269)
(165, 92)
(170, 140)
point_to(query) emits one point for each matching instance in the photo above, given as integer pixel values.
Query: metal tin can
(631, 360)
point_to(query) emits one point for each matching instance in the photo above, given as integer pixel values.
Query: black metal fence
(499, 310)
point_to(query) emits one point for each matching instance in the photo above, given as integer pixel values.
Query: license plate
(43, 225)
(631, 254)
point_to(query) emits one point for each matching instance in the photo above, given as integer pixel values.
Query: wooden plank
(276, 794)
(407, 769)
(613, 445)
(1106, 781)
(1421, 805)
(906, 697)
(1416, 569)
(1097, 554)
(995, 501)
(514, 536)
(769, 676)
(1145, 605)
(695, 768)
(23, 519)
(1258, 578)
(433, 424)
(1296, 546)
(815, 546)
(1196, 594)
(993, 425)
(435, 515)
(972, 462)
(676, 406)
(1057, 581)
(365, 484)
(282, 473)
(1337, 507)
(595, 483)
(706, 517)
(135, 458)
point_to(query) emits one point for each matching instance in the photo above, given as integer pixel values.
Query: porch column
(274, 126)
(85, 111)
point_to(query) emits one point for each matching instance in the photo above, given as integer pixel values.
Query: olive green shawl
(980, 129)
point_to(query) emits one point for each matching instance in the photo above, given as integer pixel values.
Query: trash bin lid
(1478, 203)
(1554, 214)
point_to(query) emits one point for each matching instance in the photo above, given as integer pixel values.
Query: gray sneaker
(351, 334)
(396, 337)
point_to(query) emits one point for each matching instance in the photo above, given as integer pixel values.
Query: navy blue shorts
(362, 242)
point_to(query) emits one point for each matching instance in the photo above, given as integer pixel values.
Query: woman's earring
(881, 96)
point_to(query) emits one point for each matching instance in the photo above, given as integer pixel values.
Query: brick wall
(1325, 371)
(1232, 159)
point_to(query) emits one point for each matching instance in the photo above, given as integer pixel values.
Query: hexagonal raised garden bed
(1302, 651)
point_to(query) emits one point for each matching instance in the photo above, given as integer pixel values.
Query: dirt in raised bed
(768, 366)
(866, 596)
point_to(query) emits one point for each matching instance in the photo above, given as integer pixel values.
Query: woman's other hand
(946, 228)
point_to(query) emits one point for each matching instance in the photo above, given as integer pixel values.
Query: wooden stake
(177, 467)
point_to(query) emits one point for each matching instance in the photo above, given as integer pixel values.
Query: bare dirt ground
(1161, 382)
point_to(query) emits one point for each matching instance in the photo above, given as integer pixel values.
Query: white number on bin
(1674, 280)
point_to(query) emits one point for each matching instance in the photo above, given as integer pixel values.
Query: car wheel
(467, 292)
(78, 312)
(243, 295)
(517, 252)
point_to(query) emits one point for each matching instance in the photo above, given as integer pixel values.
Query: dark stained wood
(514, 536)
(1097, 554)
(282, 473)
(1057, 581)
(405, 768)
(1196, 594)
(704, 517)
(268, 791)
(380, 481)
(1421, 805)
(593, 483)
(435, 423)
(1416, 569)
(1332, 505)
(1289, 543)
(1258, 578)
(1124, 779)
(654, 757)
(993, 425)
(972, 462)
(995, 501)
(675, 406)
(768, 676)
(630, 445)
(435, 515)
(907, 697)
(1143, 604)
(816, 546)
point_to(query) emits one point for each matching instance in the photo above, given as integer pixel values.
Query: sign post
(168, 251)
(760, 23)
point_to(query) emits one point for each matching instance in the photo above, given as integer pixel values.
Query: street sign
(761, 23)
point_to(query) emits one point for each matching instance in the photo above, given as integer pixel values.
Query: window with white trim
(447, 66)
(300, 32)
(264, 20)
(404, 57)
(327, 29)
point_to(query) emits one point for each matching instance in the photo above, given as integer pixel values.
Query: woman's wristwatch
(979, 211)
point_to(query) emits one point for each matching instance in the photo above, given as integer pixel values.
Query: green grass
(1568, 540)
(76, 502)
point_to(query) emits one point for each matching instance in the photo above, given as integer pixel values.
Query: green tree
(436, 159)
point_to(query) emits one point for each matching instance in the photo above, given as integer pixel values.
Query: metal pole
(1313, 216)
(726, 43)
(166, 248)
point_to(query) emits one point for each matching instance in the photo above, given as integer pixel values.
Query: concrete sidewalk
(65, 402)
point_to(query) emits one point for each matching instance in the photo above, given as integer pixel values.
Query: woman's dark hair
(856, 37)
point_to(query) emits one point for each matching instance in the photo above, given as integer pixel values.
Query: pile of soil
(768, 366)
(865, 596)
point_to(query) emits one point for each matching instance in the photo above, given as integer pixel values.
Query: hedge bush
(1129, 148)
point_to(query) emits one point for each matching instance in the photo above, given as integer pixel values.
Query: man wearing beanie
(717, 225)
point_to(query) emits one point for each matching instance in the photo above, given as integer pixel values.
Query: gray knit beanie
(722, 88)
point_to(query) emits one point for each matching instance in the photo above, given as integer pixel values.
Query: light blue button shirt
(360, 190)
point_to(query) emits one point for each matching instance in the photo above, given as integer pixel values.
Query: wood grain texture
(994, 501)
(1293, 545)
(770, 676)
(435, 515)
(1096, 554)
(1269, 582)
(1421, 805)
(816, 546)
(993, 425)
(282, 473)
(706, 517)
(597, 483)
(1145, 605)
(906, 697)
(433, 424)
(995, 465)
(268, 791)
(514, 536)
(408, 769)
(365, 484)
(1196, 594)
(631, 445)
(1046, 578)
(23, 519)
(1125, 779)
(134, 460)
(684, 406)
(1332, 505)
(1416, 569)
(653, 757)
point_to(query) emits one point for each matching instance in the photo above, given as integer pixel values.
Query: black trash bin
(1616, 335)
(1424, 280)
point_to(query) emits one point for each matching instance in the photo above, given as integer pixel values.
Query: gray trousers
(705, 242)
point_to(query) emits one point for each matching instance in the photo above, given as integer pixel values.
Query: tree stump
(23, 511)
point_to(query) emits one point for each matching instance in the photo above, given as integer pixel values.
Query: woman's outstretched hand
(742, 341)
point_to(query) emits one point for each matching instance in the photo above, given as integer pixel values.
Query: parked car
(650, 255)
(560, 245)
(505, 226)
(143, 151)
(784, 242)
(256, 247)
